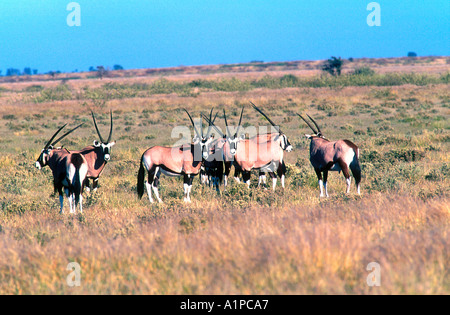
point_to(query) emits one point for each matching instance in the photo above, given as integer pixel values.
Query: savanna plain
(238, 241)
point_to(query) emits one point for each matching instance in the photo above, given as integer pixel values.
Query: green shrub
(404, 155)
(363, 71)
(59, 93)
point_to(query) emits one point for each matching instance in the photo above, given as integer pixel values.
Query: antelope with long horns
(97, 155)
(326, 155)
(185, 160)
(246, 155)
(212, 167)
(69, 171)
(279, 137)
(221, 161)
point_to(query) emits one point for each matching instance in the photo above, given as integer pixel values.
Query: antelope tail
(77, 186)
(79, 176)
(141, 179)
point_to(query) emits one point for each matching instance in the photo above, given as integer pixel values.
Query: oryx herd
(206, 156)
(72, 169)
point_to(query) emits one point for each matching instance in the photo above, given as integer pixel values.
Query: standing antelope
(69, 171)
(97, 155)
(325, 155)
(246, 155)
(229, 146)
(212, 167)
(173, 161)
(279, 137)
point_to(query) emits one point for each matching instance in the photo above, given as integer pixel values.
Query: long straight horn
(66, 134)
(54, 136)
(239, 125)
(210, 122)
(214, 126)
(192, 121)
(265, 116)
(96, 128)
(111, 130)
(226, 122)
(307, 123)
(318, 129)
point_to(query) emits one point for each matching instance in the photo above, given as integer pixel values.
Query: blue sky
(164, 33)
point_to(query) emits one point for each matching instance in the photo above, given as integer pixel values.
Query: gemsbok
(212, 167)
(69, 171)
(326, 155)
(184, 160)
(279, 137)
(247, 155)
(97, 155)
(226, 147)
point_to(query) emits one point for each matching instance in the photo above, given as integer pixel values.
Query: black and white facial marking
(205, 144)
(233, 141)
(206, 147)
(106, 149)
(285, 144)
(200, 139)
(105, 145)
(43, 158)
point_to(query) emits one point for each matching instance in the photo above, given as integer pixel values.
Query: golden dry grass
(242, 241)
(206, 249)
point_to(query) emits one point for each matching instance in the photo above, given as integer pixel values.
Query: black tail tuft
(355, 167)
(141, 179)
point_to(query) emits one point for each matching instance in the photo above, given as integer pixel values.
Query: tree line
(101, 71)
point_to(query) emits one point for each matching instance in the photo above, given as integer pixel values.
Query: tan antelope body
(325, 156)
(185, 160)
(284, 143)
(264, 153)
(265, 156)
(69, 172)
(280, 140)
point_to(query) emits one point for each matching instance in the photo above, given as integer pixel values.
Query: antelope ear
(50, 147)
(111, 144)
(308, 136)
(96, 144)
(242, 137)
